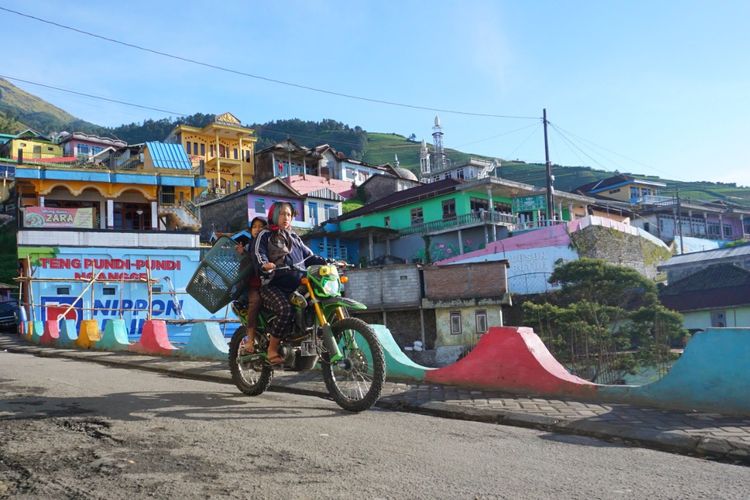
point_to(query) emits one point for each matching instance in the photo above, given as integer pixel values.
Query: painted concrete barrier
(37, 330)
(154, 339)
(51, 332)
(115, 336)
(512, 359)
(28, 330)
(398, 365)
(89, 334)
(713, 373)
(68, 333)
(206, 341)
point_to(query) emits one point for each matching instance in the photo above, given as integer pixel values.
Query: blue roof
(171, 156)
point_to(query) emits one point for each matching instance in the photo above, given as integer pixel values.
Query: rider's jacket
(300, 256)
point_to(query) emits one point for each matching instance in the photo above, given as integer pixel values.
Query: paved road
(73, 429)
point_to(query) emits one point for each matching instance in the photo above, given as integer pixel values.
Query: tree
(605, 321)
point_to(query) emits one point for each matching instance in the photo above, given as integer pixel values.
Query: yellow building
(226, 148)
(34, 146)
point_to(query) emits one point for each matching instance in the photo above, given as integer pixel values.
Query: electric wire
(510, 155)
(92, 96)
(592, 143)
(496, 136)
(573, 144)
(150, 108)
(260, 77)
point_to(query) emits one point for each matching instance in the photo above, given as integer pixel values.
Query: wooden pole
(148, 284)
(31, 289)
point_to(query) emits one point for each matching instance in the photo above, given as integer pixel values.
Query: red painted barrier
(154, 339)
(51, 332)
(512, 359)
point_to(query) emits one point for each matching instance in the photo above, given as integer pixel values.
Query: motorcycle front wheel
(250, 377)
(355, 381)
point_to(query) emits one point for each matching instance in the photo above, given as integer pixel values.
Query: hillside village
(442, 255)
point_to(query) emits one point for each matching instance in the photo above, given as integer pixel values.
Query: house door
(313, 209)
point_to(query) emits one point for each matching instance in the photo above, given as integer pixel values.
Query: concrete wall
(701, 320)
(469, 335)
(391, 287)
(225, 216)
(405, 325)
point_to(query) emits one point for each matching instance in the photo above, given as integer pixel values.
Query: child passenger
(253, 291)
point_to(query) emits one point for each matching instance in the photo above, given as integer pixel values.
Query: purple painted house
(85, 146)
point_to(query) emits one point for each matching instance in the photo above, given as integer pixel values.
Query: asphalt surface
(703, 434)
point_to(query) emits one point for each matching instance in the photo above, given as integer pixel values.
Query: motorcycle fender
(342, 302)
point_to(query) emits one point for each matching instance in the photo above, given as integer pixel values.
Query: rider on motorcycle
(279, 246)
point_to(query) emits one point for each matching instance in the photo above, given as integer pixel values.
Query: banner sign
(48, 217)
(529, 203)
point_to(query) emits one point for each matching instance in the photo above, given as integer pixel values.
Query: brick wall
(469, 281)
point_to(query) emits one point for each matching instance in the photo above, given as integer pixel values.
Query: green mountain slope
(20, 106)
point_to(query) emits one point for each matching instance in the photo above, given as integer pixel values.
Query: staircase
(182, 216)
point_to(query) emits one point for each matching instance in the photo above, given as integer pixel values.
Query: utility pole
(679, 221)
(550, 188)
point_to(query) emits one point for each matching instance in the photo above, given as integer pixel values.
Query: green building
(449, 217)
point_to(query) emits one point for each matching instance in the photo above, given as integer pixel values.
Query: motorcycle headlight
(331, 287)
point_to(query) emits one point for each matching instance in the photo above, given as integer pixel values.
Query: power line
(260, 77)
(92, 96)
(141, 106)
(592, 143)
(496, 136)
(573, 144)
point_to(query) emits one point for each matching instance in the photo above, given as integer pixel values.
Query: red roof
(310, 183)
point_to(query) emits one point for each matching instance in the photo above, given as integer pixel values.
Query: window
(718, 319)
(449, 209)
(416, 216)
(727, 231)
(188, 148)
(203, 150)
(83, 149)
(260, 206)
(714, 229)
(447, 175)
(236, 154)
(387, 221)
(502, 207)
(481, 320)
(746, 226)
(460, 173)
(455, 322)
(109, 290)
(213, 150)
(331, 211)
(63, 290)
(312, 208)
(478, 204)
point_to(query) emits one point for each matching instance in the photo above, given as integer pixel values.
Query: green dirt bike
(346, 348)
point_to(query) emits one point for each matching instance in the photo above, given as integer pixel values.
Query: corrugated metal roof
(722, 253)
(172, 156)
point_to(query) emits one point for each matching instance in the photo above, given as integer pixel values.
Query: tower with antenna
(437, 141)
(424, 162)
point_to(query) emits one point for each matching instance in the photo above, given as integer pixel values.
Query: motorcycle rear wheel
(356, 381)
(250, 377)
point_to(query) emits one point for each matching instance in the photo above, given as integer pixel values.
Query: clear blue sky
(645, 87)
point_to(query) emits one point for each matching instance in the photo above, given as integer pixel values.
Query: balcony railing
(461, 221)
